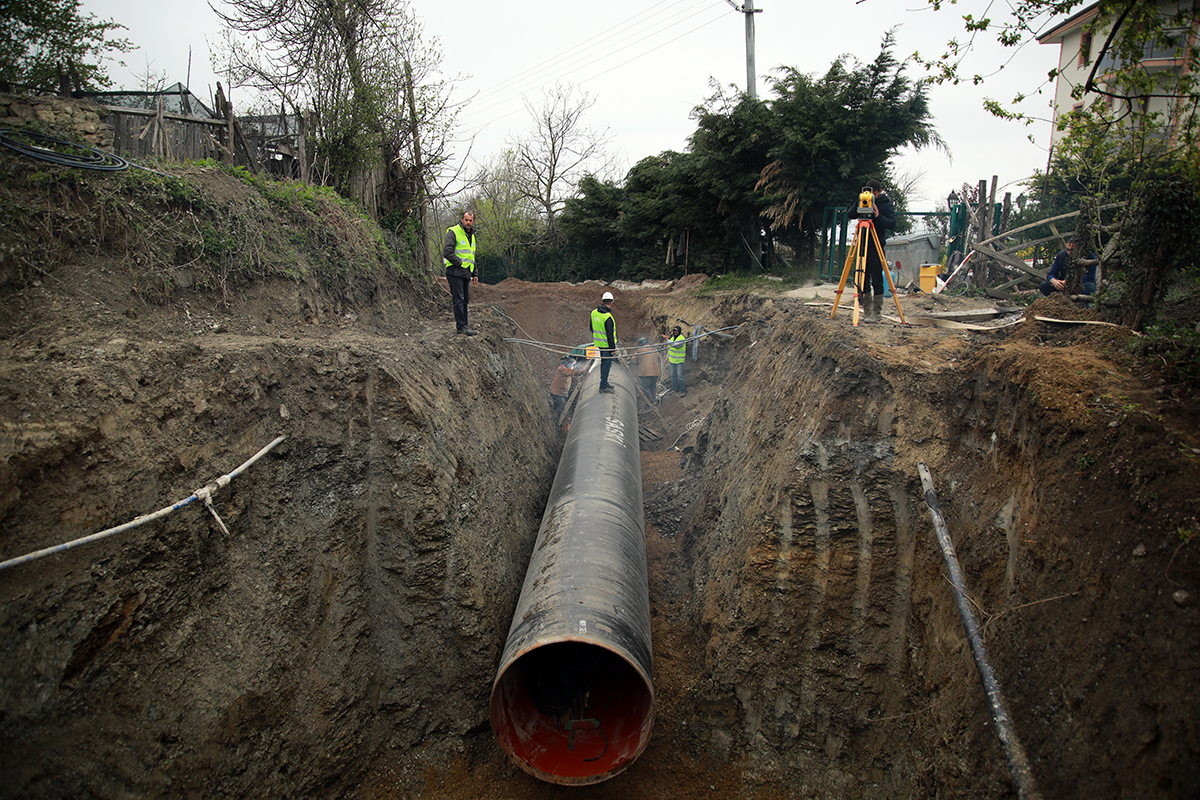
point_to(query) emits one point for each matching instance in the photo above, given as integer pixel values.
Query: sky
(647, 65)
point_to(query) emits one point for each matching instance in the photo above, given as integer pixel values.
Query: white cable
(204, 495)
(566, 349)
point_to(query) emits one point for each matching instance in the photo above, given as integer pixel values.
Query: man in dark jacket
(1056, 280)
(884, 219)
(458, 253)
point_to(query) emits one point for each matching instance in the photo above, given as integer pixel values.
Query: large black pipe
(573, 701)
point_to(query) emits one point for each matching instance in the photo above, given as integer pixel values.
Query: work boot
(877, 308)
(869, 310)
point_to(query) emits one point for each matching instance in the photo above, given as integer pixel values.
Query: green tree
(755, 169)
(1133, 175)
(838, 131)
(47, 46)
(506, 219)
(1131, 148)
(591, 220)
(731, 147)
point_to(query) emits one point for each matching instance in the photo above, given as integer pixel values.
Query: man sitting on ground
(1056, 279)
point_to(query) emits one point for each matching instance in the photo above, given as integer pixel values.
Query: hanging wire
(567, 349)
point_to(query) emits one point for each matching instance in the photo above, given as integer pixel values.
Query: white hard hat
(606, 296)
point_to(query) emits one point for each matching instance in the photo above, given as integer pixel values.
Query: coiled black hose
(66, 153)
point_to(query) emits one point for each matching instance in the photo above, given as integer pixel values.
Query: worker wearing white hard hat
(604, 336)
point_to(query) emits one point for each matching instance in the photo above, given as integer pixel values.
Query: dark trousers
(606, 359)
(649, 385)
(677, 383)
(874, 281)
(460, 295)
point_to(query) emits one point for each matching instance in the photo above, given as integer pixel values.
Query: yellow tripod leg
(837, 298)
(860, 271)
(887, 275)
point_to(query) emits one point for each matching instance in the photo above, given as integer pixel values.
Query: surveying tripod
(864, 236)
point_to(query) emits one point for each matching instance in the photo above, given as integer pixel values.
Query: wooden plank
(648, 434)
(1014, 231)
(1078, 322)
(1012, 261)
(1013, 282)
(120, 111)
(972, 315)
(933, 322)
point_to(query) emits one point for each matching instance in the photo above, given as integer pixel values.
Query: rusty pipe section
(573, 701)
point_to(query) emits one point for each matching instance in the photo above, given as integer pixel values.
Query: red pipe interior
(572, 712)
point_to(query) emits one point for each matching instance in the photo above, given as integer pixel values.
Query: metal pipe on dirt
(573, 702)
(1014, 752)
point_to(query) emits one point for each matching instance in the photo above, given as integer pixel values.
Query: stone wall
(60, 116)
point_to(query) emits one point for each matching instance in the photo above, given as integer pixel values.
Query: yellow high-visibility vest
(599, 335)
(678, 349)
(464, 248)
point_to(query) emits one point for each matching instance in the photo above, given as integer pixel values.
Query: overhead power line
(590, 44)
(574, 60)
(580, 59)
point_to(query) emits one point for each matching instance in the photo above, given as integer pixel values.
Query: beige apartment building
(1081, 41)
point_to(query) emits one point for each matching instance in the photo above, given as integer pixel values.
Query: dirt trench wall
(380, 545)
(834, 660)
(804, 541)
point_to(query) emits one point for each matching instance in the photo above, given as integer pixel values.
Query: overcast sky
(647, 65)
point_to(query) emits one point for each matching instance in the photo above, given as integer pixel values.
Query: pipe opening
(572, 712)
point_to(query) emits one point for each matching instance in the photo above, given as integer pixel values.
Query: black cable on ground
(64, 152)
(1014, 752)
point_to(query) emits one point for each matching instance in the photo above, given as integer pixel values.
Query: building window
(1085, 49)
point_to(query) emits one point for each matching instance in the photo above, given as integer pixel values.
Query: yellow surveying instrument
(865, 236)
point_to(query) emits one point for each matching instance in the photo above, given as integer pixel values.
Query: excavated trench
(341, 640)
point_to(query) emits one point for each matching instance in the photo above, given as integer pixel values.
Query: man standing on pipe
(604, 336)
(458, 253)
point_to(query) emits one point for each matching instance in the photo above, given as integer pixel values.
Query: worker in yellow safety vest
(458, 253)
(604, 336)
(676, 353)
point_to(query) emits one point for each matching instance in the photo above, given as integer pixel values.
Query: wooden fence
(153, 134)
